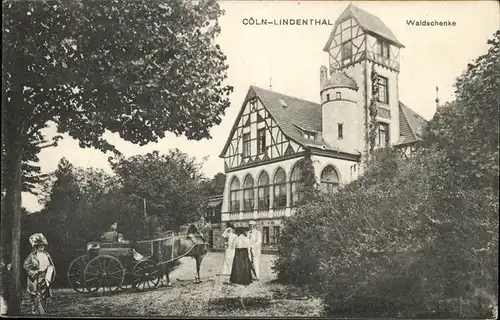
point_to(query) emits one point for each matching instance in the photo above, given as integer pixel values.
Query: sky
(290, 57)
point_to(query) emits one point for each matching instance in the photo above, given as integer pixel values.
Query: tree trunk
(14, 203)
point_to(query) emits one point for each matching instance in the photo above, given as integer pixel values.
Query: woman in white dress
(230, 237)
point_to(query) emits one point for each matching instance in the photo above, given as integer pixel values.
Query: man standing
(255, 238)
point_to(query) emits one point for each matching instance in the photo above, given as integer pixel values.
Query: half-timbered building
(273, 131)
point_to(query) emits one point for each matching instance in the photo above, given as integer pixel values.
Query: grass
(185, 298)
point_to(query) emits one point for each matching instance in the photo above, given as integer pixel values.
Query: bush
(399, 241)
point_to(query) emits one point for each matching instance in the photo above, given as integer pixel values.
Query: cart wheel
(104, 272)
(75, 274)
(146, 275)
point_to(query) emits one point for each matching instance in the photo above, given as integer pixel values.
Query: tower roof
(339, 80)
(368, 22)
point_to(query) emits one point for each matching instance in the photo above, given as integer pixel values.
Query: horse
(178, 246)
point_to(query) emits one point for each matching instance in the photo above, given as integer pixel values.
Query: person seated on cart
(114, 236)
(111, 235)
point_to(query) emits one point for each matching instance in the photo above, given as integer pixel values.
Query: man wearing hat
(255, 238)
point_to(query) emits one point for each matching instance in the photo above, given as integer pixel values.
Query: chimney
(323, 76)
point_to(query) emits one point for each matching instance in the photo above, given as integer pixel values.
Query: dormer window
(338, 96)
(309, 135)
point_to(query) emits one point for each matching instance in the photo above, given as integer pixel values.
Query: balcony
(257, 214)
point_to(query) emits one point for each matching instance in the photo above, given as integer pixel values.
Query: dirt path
(185, 298)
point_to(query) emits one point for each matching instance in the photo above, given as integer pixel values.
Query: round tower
(340, 117)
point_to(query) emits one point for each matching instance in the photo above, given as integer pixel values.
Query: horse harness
(173, 245)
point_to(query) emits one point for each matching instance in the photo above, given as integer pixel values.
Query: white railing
(258, 214)
(263, 213)
(248, 215)
(234, 216)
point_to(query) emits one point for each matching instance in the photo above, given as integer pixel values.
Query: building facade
(358, 98)
(213, 215)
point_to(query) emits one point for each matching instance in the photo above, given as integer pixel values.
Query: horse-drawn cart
(111, 266)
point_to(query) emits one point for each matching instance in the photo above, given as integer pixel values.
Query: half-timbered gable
(268, 128)
(358, 35)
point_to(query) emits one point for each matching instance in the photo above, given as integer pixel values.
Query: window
(309, 135)
(340, 129)
(346, 52)
(246, 145)
(253, 105)
(296, 184)
(383, 134)
(383, 90)
(248, 193)
(261, 141)
(263, 191)
(280, 189)
(327, 97)
(234, 195)
(383, 48)
(338, 96)
(265, 235)
(329, 179)
(276, 232)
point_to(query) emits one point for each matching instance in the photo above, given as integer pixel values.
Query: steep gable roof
(298, 114)
(410, 125)
(368, 22)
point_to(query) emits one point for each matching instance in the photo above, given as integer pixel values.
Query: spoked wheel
(104, 272)
(146, 275)
(76, 272)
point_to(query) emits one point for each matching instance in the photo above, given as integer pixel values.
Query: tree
(467, 130)
(216, 184)
(172, 185)
(137, 69)
(62, 206)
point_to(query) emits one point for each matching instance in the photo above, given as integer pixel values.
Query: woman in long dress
(241, 272)
(230, 237)
(41, 274)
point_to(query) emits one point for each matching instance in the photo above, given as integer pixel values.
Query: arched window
(263, 191)
(280, 189)
(296, 184)
(234, 195)
(248, 193)
(329, 179)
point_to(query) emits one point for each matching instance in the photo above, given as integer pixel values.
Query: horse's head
(205, 230)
